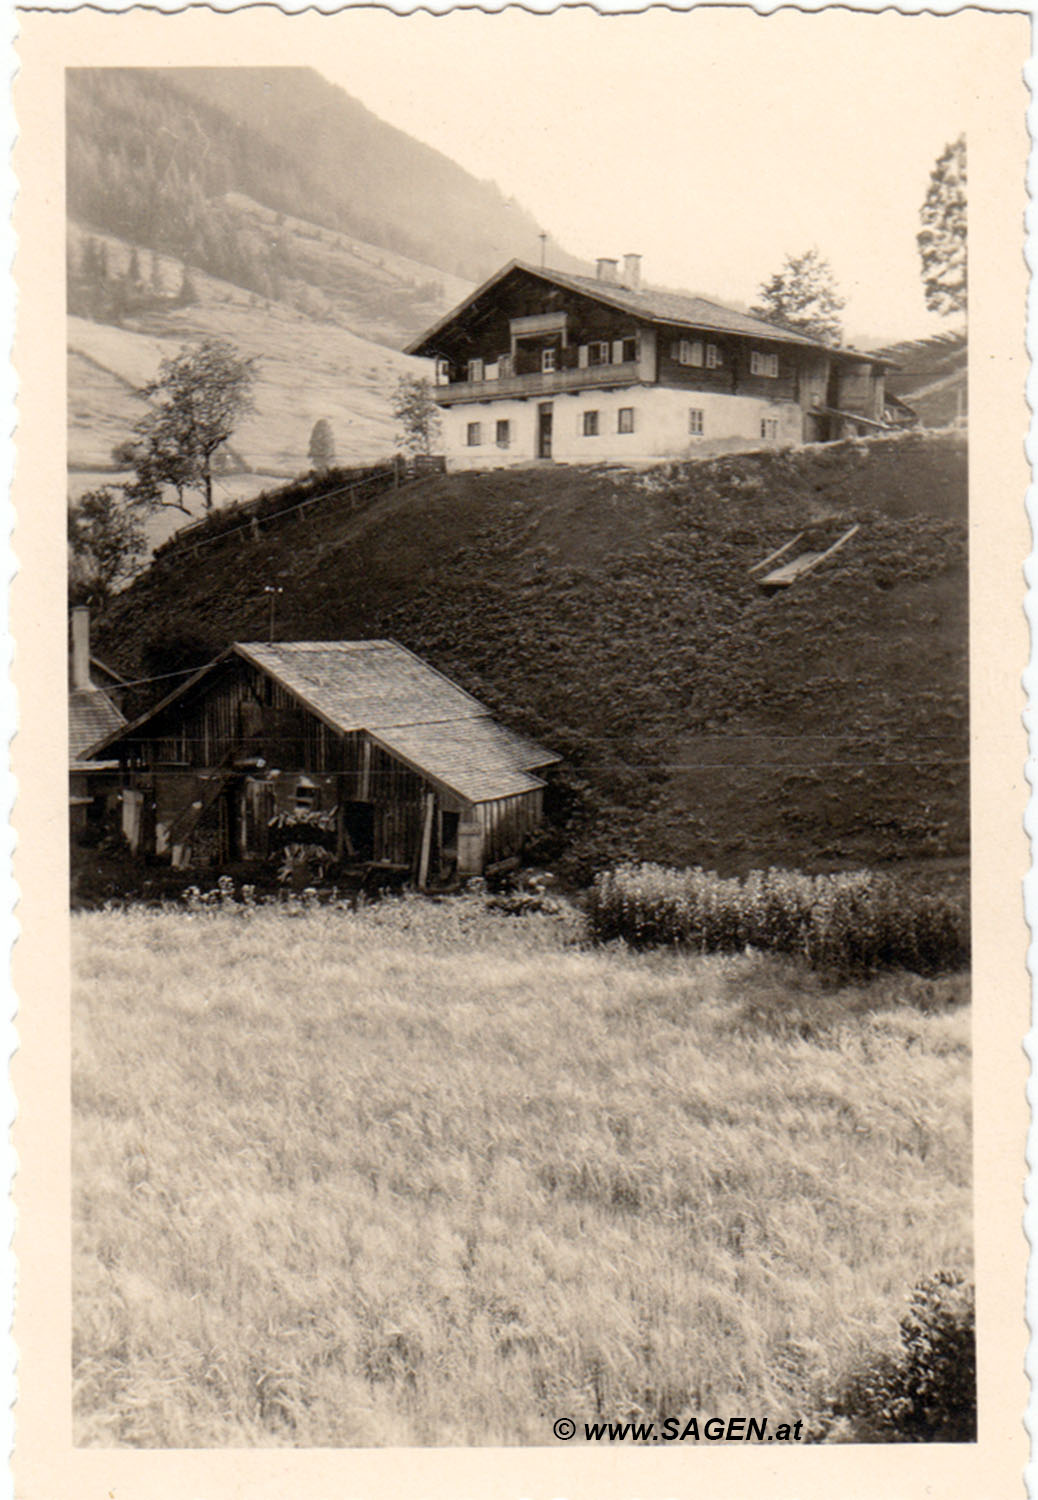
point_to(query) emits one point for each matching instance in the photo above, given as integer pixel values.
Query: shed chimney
(81, 648)
(607, 269)
(632, 272)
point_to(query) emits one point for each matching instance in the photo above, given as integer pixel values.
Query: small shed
(92, 715)
(393, 761)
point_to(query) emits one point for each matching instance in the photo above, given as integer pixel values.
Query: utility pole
(273, 590)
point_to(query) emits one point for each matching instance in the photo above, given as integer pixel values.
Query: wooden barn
(360, 738)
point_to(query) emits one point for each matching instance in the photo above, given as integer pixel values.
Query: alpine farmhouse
(538, 364)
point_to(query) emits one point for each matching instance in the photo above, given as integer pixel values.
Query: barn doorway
(544, 425)
(358, 826)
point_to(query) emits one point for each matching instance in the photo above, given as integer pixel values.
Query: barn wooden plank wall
(245, 716)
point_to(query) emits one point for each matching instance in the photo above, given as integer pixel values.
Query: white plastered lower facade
(661, 422)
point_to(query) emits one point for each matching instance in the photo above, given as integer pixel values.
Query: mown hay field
(429, 1174)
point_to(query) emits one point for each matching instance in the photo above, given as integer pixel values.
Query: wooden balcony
(540, 384)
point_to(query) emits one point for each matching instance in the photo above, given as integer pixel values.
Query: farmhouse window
(769, 427)
(625, 419)
(689, 352)
(548, 360)
(506, 366)
(503, 434)
(695, 421)
(591, 424)
(474, 434)
(763, 364)
(598, 353)
(475, 369)
(443, 372)
(713, 357)
(630, 350)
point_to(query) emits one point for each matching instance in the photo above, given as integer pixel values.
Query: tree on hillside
(198, 397)
(322, 445)
(106, 541)
(942, 239)
(802, 296)
(417, 414)
(188, 292)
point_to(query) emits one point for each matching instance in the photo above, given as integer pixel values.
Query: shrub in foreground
(854, 923)
(927, 1393)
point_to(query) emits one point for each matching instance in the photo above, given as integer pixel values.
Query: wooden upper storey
(528, 332)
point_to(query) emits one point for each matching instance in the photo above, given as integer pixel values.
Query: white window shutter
(618, 351)
(582, 356)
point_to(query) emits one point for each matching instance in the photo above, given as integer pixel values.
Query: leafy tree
(802, 296)
(322, 445)
(106, 541)
(417, 413)
(942, 239)
(198, 398)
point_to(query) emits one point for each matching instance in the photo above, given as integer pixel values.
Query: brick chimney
(632, 272)
(607, 269)
(81, 648)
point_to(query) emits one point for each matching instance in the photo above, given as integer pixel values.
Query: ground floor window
(474, 434)
(769, 427)
(625, 419)
(504, 437)
(695, 421)
(591, 424)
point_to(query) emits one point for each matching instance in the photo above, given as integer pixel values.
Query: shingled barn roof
(91, 716)
(413, 711)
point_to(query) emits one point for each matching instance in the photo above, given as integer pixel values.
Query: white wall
(661, 427)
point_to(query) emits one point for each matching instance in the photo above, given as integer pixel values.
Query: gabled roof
(362, 684)
(91, 717)
(672, 308)
(405, 705)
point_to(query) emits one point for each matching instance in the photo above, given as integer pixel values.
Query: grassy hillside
(426, 1175)
(307, 368)
(932, 377)
(612, 616)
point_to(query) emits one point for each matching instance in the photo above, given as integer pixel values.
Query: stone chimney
(81, 648)
(607, 269)
(632, 272)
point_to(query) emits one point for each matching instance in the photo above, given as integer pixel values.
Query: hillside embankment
(613, 616)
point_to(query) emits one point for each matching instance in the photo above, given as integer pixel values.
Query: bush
(853, 924)
(928, 1392)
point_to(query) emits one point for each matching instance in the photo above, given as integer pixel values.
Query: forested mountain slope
(152, 154)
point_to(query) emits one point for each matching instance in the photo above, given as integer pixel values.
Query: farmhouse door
(544, 416)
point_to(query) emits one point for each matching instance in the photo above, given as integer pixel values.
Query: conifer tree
(942, 239)
(802, 297)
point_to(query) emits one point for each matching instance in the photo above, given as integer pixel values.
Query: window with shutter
(695, 421)
(625, 419)
(474, 434)
(590, 424)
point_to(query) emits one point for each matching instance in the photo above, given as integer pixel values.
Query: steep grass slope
(612, 616)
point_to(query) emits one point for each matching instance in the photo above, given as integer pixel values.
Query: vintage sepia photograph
(519, 533)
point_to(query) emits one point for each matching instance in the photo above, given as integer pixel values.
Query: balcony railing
(542, 383)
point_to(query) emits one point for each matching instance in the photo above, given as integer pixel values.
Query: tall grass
(427, 1175)
(853, 924)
